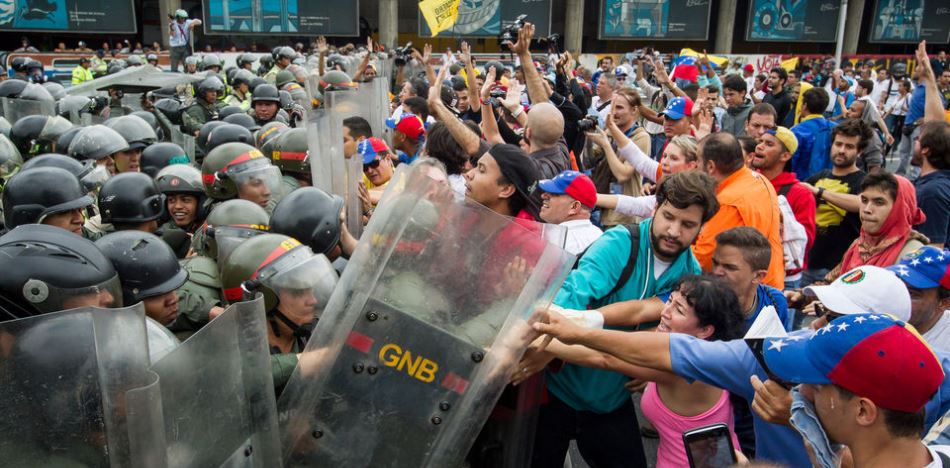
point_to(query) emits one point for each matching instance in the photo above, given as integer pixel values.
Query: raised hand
(525, 34)
(466, 53)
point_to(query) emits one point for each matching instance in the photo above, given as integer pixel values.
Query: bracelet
(484, 102)
(821, 191)
(518, 110)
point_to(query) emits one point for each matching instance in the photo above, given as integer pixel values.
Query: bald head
(545, 125)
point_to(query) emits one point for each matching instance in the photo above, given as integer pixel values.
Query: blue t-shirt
(769, 296)
(915, 109)
(933, 198)
(848, 99)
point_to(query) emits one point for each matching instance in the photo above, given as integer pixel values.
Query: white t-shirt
(180, 33)
(933, 449)
(580, 234)
(660, 267)
(938, 337)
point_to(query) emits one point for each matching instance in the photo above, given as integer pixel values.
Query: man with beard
(836, 190)
(627, 262)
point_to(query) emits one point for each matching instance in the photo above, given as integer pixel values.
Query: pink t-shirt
(671, 426)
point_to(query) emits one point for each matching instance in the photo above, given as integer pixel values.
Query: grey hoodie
(733, 121)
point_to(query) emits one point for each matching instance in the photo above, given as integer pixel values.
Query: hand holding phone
(710, 447)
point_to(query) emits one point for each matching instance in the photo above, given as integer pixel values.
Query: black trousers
(604, 440)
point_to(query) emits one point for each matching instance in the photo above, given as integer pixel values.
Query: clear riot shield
(15, 109)
(421, 334)
(88, 119)
(187, 142)
(63, 377)
(211, 402)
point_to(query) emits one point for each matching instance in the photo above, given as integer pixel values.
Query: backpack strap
(785, 189)
(634, 230)
(944, 459)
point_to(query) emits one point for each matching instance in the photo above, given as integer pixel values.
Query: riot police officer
(296, 285)
(99, 143)
(10, 160)
(291, 155)
(138, 134)
(246, 61)
(161, 155)
(45, 195)
(184, 197)
(314, 217)
(228, 133)
(283, 58)
(265, 105)
(206, 106)
(240, 90)
(148, 272)
(238, 170)
(191, 64)
(47, 269)
(37, 134)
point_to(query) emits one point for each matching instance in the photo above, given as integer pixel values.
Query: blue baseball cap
(925, 268)
(372, 148)
(874, 356)
(678, 108)
(573, 183)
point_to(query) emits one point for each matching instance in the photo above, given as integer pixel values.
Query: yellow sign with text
(439, 14)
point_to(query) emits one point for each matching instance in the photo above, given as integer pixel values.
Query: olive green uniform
(198, 114)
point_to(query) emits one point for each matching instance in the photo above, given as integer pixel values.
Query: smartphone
(710, 447)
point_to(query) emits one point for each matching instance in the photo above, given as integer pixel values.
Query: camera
(497, 96)
(509, 32)
(587, 124)
(402, 55)
(551, 43)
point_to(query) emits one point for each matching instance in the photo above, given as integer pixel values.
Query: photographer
(179, 36)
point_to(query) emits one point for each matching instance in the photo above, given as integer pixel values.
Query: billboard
(799, 21)
(95, 16)
(484, 18)
(654, 19)
(911, 21)
(284, 17)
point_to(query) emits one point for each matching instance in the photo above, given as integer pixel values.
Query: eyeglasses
(372, 165)
(822, 311)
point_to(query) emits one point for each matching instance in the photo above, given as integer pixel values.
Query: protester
(567, 200)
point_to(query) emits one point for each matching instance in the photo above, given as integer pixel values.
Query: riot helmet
(265, 92)
(55, 89)
(283, 77)
(243, 120)
(229, 110)
(210, 61)
(152, 121)
(5, 127)
(130, 198)
(134, 61)
(245, 59)
(160, 155)
(171, 109)
(12, 88)
(228, 133)
(899, 69)
(66, 139)
(150, 58)
(205, 131)
(71, 107)
(191, 60)
(115, 66)
(335, 80)
(211, 83)
(18, 64)
(182, 179)
(136, 131)
(242, 76)
(229, 74)
(33, 196)
(285, 53)
(291, 154)
(238, 170)
(312, 216)
(98, 142)
(228, 225)
(334, 61)
(267, 136)
(47, 269)
(90, 174)
(35, 134)
(267, 62)
(36, 92)
(147, 268)
(296, 284)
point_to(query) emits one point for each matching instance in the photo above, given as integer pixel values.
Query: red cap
(749, 68)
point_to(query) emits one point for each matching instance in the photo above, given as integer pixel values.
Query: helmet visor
(228, 238)
(92, 181)
(48, 298)
(301, 278)
(258, 184)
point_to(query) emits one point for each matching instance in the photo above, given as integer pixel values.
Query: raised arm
(463, 135)
(470, 81)
(369, 52)
(424, 58)
(489, 123)
(537, 91)
(933, 107)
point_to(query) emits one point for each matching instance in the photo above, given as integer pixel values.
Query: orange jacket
(745, 199)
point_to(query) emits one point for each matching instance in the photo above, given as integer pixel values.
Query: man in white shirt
(179, 37)
(926, 273)
(567, 200)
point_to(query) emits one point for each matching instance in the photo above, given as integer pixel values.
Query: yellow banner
(790, 64)
(439, 14)
(719, 61)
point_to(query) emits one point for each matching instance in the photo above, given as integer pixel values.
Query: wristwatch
(821, 191)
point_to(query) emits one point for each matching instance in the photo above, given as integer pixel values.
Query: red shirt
(803, 205)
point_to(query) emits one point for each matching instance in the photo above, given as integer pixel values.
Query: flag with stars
(865, 354)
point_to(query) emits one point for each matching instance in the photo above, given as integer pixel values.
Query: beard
(658, 247)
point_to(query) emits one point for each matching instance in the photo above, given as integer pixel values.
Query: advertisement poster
(68, 15)
(793, 20)
(290, 17)
(484, 18)
(911, 21)
(654, 19)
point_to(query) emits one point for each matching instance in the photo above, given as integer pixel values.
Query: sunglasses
(372, 165)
